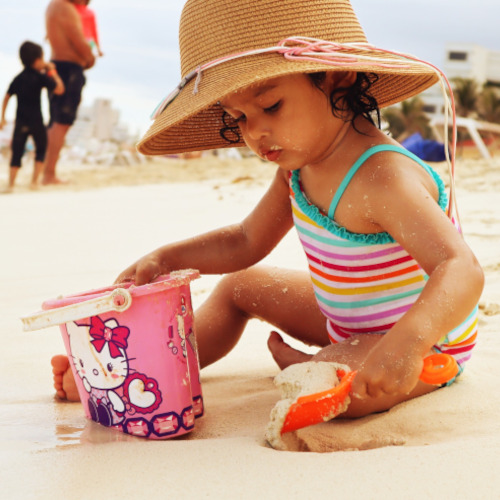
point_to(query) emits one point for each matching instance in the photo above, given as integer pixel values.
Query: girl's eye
(81, 362)
(109, 367)
(273, 108)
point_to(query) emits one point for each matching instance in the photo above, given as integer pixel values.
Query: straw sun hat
(214, 29)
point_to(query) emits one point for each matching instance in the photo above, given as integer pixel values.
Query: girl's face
(287, 120)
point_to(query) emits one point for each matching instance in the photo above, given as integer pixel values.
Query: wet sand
(78, 237)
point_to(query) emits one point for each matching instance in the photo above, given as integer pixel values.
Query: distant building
(472, 61)
(464, 60)
(97, 122)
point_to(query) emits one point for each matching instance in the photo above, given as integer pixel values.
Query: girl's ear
(336, 79)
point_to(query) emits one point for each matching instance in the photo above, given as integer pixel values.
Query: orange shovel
(322, 406)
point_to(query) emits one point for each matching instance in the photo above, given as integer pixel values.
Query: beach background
(141, 55)
(67, 239)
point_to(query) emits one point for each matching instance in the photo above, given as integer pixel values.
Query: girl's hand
(145, 270)
(387, 373)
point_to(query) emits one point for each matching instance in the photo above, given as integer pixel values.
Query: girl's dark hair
(355, 99)
(352, 101)
(29, 52)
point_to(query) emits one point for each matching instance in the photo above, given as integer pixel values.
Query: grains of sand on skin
(294, 382)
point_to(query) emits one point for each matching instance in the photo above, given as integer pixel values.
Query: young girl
(390, 279)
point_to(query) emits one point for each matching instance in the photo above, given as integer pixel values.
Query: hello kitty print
(99, 356)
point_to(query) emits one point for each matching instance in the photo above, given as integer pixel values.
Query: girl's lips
(272, 155)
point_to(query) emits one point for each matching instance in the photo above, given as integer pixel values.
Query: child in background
(27, 86)
(390, 279)
(89, 25)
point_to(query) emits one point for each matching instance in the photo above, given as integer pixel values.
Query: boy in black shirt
(27, 86)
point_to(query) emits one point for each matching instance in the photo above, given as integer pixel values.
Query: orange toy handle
(439, 369)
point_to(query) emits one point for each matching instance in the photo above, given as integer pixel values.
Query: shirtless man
(71, 54)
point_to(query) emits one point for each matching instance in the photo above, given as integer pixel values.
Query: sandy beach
(77, 237)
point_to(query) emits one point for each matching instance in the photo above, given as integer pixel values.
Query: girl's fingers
(146, 274)
(126, 276)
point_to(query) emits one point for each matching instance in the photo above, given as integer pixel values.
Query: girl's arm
(400, 202)
(227, 249)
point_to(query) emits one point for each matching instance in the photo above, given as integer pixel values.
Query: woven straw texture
(210, 29)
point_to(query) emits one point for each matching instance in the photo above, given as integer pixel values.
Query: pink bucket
(133, 354)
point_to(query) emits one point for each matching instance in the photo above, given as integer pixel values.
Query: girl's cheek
(250, 143)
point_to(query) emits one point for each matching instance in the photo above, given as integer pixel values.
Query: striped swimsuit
(364, 283)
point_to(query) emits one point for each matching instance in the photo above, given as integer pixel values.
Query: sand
(73, 238)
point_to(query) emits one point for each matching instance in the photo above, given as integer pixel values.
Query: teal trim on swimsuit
(331, 226)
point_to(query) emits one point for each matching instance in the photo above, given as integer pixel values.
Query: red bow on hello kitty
(116, 337)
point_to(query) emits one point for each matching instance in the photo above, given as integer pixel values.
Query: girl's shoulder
(391, 161)
(389, 169)
(380, 176)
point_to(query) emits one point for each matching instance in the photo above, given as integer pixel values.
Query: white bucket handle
(118, 300)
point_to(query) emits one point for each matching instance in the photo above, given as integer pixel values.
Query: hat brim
(193, 121)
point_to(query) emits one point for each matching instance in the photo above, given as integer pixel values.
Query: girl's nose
(256, 129)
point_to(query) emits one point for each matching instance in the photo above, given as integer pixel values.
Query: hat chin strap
(344, 55)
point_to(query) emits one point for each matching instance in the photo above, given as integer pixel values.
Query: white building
(97, 122)
(464, 60)
(472, 61)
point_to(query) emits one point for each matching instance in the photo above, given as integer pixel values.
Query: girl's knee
(240, 281)
(245, 290)
(232, 288)
(231, 282)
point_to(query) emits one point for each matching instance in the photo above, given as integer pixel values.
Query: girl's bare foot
(64, 382)
(283, 354)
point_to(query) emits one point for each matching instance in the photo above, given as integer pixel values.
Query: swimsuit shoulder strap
(359, 162)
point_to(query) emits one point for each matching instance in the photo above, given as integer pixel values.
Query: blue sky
(139, 40)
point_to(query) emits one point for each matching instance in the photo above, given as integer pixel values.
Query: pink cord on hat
(293, 49)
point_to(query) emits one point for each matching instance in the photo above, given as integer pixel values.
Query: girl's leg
(283, 298)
